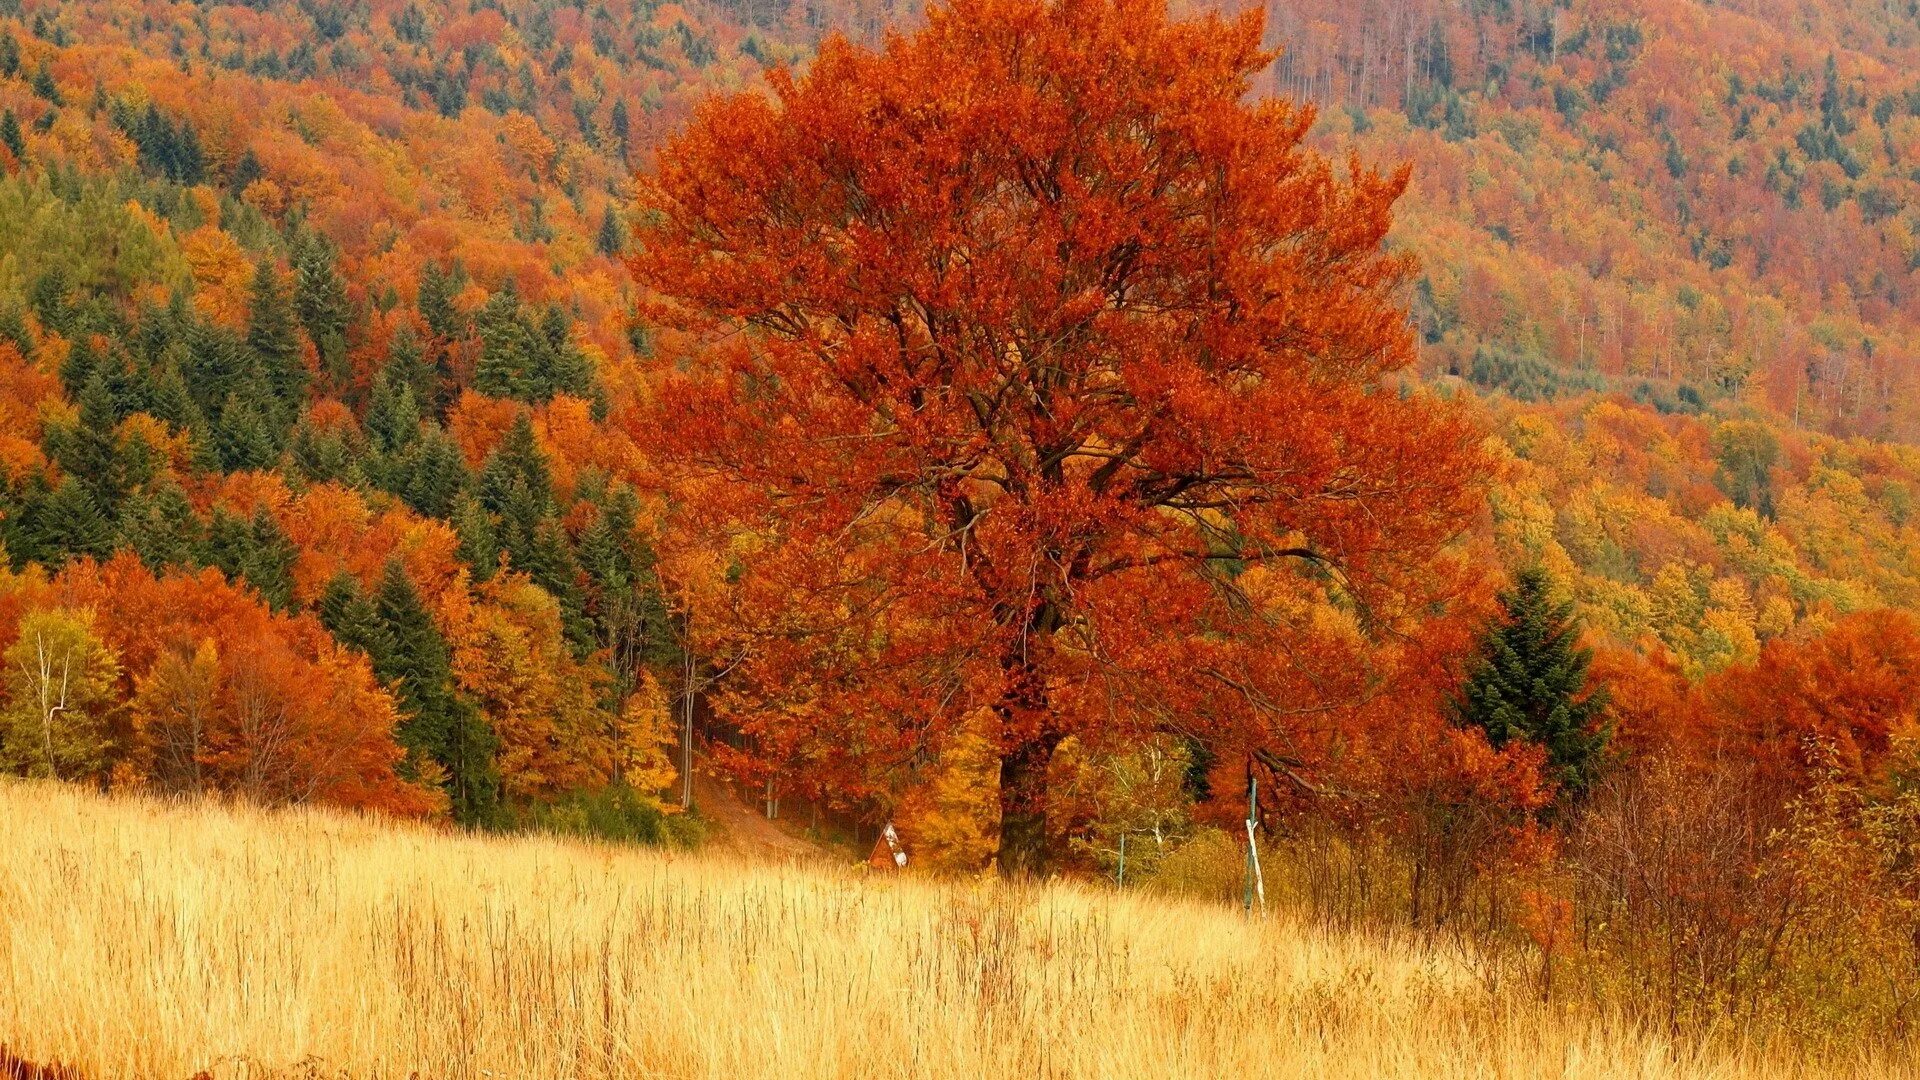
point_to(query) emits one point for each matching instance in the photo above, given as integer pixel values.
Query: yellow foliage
(951, 818)
(222, 274)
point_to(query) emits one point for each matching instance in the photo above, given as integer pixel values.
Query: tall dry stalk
(140, 939)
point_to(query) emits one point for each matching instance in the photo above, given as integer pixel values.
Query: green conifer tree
(67, 523)
(11, 136)
(320, 298)
(438, 724)
(349, 614)
(437, 308)
(479, 547)
(159, 525)
(243, 437)
(1529, 681)
(435, 475)
(507, 344)
(254, 551)
(273, 336)
(612, 239)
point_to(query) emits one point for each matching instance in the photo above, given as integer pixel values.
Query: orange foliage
(288, 715)
(1838, 698)
(1016, 336)
(24, 387)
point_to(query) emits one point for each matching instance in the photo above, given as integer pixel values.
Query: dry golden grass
(140, 939)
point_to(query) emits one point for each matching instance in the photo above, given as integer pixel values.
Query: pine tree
(216, 361)
(68, 523)
(243, 437)
(160, 526)
(44, 86)
(436, 473)
(316, 455)
(621, 125)
(517, 462)
(9, 55)
(611, 240)
(439, 724)
(506, 348)
(169, 399)
(349, 615)
(559, 365)
(320, 298)
(10, 136)
(89, 451)
(479, 547)
(437, 289)
(245, 172)
(274, 338)
(1529, 682)
(255, 551)
(407, 366)
(393, 413)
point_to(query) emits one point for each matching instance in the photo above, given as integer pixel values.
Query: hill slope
(140, 939)
(1716, 194)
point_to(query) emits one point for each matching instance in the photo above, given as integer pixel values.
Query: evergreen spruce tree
(506, 348)
(625, 603)
(439, 725)
(320, 298)
(67, 523)
(407, 366)
(216, 362)
(44, 86)
(89, 451)
(169, 400)
(435, 475)
(11, 137)
(317, 455)
(479, 547)
(273, 336)
(560, 367)
(349, 614)
(1529, 682)
(245, 172)
(254, 551)
(517, 463)
(9, 55)
(611, 240)
(159, 525)
(393, 413)
(437, 289)
(243, 436)
(620, 124)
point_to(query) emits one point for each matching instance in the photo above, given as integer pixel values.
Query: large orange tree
(1042, 384)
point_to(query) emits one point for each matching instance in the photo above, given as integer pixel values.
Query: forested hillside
(329, 300)
(415, 406)
(1715, 195)
(326, 301)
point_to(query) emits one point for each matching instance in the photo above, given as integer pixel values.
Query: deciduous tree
(1041, 373)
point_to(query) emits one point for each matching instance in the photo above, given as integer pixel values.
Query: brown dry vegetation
(143, 939)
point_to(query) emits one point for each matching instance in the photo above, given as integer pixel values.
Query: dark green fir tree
(1529, 682)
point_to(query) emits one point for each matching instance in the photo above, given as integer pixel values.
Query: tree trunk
(1023, 807)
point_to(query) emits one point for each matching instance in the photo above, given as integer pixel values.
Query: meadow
(141, 938)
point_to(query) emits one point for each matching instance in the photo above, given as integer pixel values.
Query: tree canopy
(1047, 376)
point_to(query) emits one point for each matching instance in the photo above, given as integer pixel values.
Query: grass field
(140, 939)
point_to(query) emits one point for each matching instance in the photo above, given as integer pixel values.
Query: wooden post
(1256, 882)
(1122, 880)
(686, 736)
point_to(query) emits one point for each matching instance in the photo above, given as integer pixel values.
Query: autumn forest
(1442, 468)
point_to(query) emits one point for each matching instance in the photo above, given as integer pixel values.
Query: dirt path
(742, 828)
